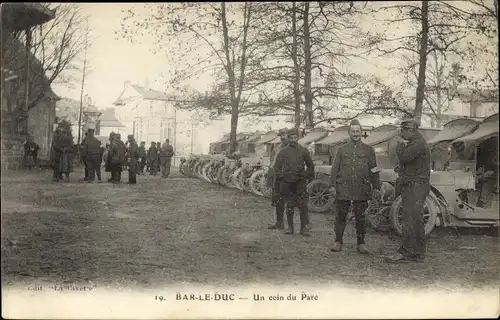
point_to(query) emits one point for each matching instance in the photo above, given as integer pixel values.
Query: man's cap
(409, 123)
(130, 136)
(293, 131)
(282, 132)
(354, 122)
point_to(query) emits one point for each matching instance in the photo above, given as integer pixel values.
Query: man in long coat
(132, 159)
(116, 158)
(354, 177)
(92, 152)
(293, 178)
(142, 157)
(276, 198)
(413, 184)
(153, 159)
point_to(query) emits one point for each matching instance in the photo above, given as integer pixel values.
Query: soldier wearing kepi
(413, 184)
(354, 177)
(292, 177)
(276, 198)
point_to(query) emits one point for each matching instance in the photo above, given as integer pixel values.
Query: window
(251, 148)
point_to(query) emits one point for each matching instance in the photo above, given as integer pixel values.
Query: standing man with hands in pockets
(355, 181)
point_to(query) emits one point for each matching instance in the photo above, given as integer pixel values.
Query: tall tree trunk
(235, 92)
(296, 83)
(307, 72)
(419, 97)
(230, 74)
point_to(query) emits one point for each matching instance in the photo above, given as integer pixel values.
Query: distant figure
(93, 156)
(158, 148)
(61, 153)
(82, 157)
(30, 152)
(116, 158)
(153, 159)
(166, 154)
(132, 159)
(142, 157)
(107, 157)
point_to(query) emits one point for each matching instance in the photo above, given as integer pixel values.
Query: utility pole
(81, 90)
(192, 137)
(175, 131)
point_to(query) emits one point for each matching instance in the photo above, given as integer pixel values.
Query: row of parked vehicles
(464, 178)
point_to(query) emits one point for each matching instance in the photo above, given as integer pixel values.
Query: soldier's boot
(280, 212)
(304, 221)
(289, 219)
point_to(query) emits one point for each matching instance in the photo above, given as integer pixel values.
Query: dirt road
(186, 230)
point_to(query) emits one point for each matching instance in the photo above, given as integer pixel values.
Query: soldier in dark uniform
(83, 157)
(116, 158)
(31, 152)
(107, 165)
(293, 178)
(166, 154)
(92, 151)
(142, 157)
(276, 199)
(158, 161)
(132, 159)
(413, 184)
(354, 177)
(153, 158)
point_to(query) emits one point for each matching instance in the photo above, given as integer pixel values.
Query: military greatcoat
(354, 172)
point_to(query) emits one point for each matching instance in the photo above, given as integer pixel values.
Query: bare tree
(445, 28)
(213, 30)
(55, 47)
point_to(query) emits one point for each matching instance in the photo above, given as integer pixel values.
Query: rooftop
(22, 15)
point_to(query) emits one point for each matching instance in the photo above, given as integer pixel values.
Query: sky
(115, 61)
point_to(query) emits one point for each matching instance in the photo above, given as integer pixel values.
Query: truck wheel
(378, 217)
(320, 199)
(235, 179)
(256, 182)
(245, 181)
(430, 215)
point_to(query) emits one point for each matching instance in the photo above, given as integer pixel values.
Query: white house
(151, 115)
(108, 122)
(464, 102)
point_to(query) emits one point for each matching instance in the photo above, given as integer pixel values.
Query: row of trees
(295, 59)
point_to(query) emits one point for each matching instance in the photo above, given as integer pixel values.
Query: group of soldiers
(354, 182)
(119, 156)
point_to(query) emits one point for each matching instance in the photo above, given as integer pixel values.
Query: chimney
(146, 83)
(126, 83)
